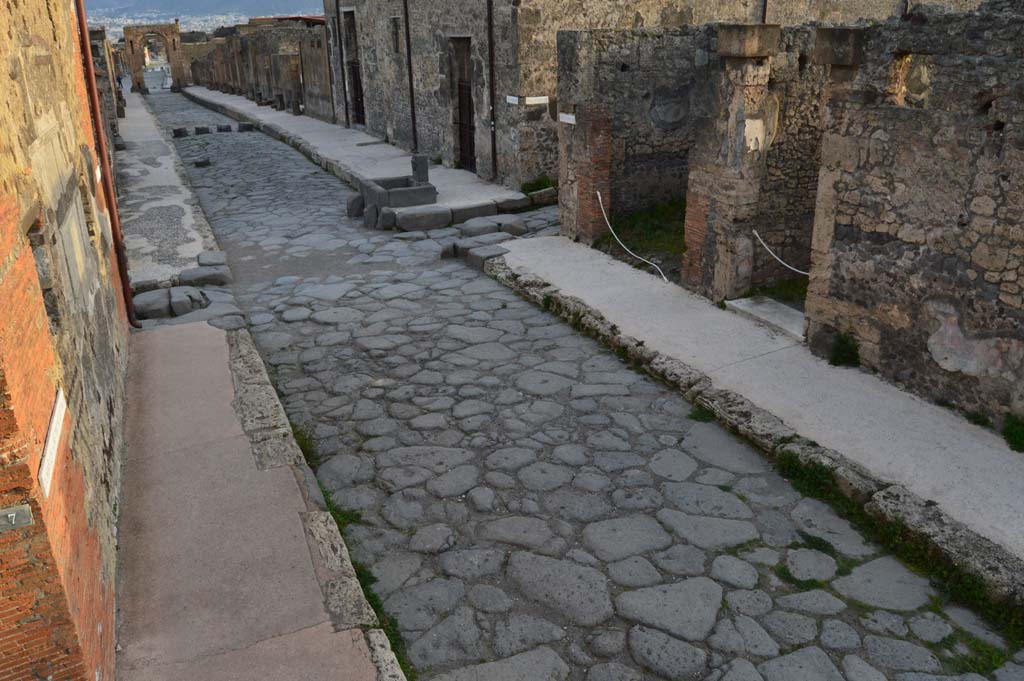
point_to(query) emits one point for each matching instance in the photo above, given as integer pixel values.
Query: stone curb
(354, 179)
(273, 445)
(1001, 572)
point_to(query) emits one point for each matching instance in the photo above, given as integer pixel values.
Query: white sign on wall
(53, 435)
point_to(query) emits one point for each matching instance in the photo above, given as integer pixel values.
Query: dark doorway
(465, 114)
(355, 74)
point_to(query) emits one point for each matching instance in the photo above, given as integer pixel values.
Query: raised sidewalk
(897, 439)
(351, 154)
(230, 569)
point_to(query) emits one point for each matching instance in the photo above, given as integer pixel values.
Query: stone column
(727, 166)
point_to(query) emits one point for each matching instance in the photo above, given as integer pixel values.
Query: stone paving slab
(531, 507)
(900, 438)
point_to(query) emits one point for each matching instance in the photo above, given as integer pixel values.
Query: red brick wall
(593, 174)
(696, 231)
(56, 583)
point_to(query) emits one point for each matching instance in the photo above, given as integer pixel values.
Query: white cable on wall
(784, 264)
(607, 222)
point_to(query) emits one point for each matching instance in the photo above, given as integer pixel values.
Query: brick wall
(63, 329)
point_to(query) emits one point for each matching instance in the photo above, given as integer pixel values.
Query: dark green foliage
(306, 446)
(792, 292)
(844, 565)
(659, 229)
(984, 658)
(978, 419)
(342, 517)
(536, 184)
(1013, 431)
(702, 414)
(803, 584)
(389, 625)
(845, 352)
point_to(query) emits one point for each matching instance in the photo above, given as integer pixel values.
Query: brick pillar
(727, 166)
(593, 174)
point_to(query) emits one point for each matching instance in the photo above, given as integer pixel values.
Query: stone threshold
(1001, 572)
(771, 312)
(273, 445)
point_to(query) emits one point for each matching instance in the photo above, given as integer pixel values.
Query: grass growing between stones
(1013, 431)
(983, 658)
(343, 518)
(817, 481)
(306, 446)
(844, 564)
(388, 625)
(845, 352)
(785, 575)
(702, 414)
(656, 230)
(537, 184)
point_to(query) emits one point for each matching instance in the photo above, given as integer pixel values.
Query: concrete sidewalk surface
(217, 579)
(899, 438)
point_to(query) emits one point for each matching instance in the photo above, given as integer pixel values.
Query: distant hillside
(208, 7)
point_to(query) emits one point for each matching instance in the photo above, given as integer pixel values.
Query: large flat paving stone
(708, 533)
(885, 583)
(618, 538)
(666, 656)
(578, 592)
(806, 664)
(685, 609)
(539, 664)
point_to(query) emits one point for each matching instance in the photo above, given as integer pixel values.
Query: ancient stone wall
(193, 52)
(919, 234)
(316, 78)
(784, 217)
(111, 98)
(285, 71)
(135, 37)
(630, 102)
(440, 33)
(62, 341)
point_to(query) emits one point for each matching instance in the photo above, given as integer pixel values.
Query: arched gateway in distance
(135, 38)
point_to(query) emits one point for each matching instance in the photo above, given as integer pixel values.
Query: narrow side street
(532, 508)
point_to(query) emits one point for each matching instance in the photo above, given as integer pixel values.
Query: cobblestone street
(532, 508)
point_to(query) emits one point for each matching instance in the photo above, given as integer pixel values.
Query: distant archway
(135, 40)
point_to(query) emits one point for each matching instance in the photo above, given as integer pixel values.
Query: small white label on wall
(511, 99)
(530, 101)
(567, 118)
(53, 435)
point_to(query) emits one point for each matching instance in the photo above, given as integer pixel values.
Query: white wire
(784, 264)
(601, 202)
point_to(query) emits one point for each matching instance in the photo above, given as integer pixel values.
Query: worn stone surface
(513, 477)
(885, 583)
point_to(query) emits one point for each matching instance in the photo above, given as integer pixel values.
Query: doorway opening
(464, 118)
(354, 68)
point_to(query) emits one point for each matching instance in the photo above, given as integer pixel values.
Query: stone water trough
(393, 192)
